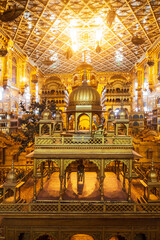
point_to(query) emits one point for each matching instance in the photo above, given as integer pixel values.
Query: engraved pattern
(82, 140)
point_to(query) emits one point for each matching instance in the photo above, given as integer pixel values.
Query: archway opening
(45, 237)
(82, 237)
(83, 122)
(82, 181)
(140, 236)
(117, 237)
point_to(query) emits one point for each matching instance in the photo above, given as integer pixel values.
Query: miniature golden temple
(80, 120)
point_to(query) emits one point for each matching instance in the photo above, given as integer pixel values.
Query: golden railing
(59, 207)
(82, 140)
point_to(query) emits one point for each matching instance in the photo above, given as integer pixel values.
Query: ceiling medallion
(3, 52)
(136, 40)
(11, 14)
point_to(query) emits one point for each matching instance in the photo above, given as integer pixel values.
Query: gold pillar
(102, 179)
(130, 180)
(61, 179)
(41, 170)
(139, 89)
(34, 179)
(124, 177)
(90, 116)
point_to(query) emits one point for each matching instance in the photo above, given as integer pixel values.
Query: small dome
(122, 114)
(111, 115)
(152, 176)
(46, 114)
(11, 177)
(58, 116)
(84, 95)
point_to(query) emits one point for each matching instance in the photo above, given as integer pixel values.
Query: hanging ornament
(69, 53)
(111, 17)
(98, 48)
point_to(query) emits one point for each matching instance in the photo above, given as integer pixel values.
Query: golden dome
(122, 114)
(46, 114)
(84, 95)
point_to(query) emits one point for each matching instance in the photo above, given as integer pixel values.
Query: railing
(82, 140)
(80, 207)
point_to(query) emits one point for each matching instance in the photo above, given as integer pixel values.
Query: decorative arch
(67, 162)
(94, 235)
(114, 236)
(51, 235)
(56, 161)
(81, 237)
(108, 161)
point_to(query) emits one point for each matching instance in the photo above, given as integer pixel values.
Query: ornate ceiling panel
(49, 29)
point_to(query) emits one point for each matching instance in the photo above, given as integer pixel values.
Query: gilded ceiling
(47, 28)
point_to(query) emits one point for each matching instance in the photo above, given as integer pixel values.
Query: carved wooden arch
(141, 232)
(67, 162)
(125, 161)
(56, 161)
(94, 235)
(108, 236)
(54, 235)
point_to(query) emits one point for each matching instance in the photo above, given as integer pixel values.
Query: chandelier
(48, 62)
(136, 40)
(11, 13)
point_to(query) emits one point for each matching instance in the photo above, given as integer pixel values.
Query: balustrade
(79, 207)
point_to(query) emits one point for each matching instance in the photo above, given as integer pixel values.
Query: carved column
(139, 89)
(61, 178)
(49, 169)
(102, 179)
(124, 177)
(65, 181)
(130, 180)
(41, 169)
(34, 179)
(118, 163)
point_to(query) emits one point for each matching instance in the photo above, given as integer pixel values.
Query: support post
(41, 169)
(49, 169)
(34, 179)
(65, 181)
(118, 170)
(124, 177)
(61, 179)
(102, 180)
(130, 180)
